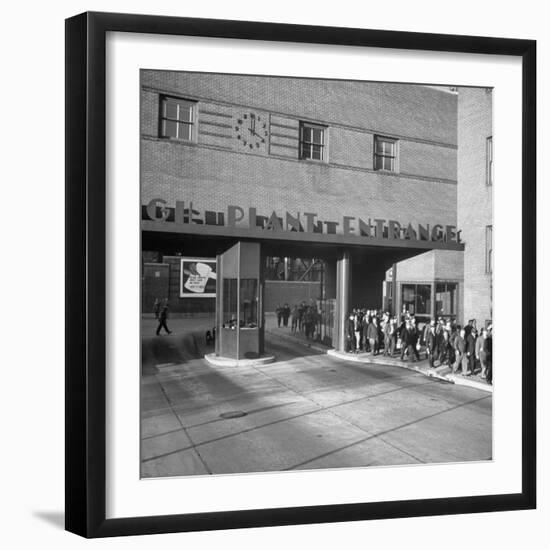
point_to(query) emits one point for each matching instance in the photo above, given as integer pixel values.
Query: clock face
(251, 131)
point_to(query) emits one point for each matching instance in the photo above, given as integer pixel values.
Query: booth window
(385, 154)
(249, 303)
(312, 141)
(489, 161)
(230, 303)
(177, 118)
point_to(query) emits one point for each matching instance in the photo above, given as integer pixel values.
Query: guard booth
(239, 302)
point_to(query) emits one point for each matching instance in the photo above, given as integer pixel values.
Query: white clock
(251, 131)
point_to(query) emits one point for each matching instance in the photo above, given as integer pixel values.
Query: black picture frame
(86, 273)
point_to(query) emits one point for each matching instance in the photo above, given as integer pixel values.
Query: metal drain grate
(233, 414)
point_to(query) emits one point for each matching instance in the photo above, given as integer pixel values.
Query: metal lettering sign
(377, 229)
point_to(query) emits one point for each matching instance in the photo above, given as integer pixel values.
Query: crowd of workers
(304, 318)
(461, 348)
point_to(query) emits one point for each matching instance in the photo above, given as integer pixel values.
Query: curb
(461, 381)
(389, 362)
(426, 371)
(293, 339)
(217, 361)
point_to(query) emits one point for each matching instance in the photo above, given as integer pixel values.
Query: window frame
(454, 299)
(489, 162)
(488, 249)
(376, 155)
(192, 123)
(323, 145)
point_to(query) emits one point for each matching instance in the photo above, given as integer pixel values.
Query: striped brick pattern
(284, 136)
(215, 125)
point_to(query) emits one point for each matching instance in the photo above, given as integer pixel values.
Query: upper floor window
(385, 154)
(312, 141)
(489, 161)
(177, 118)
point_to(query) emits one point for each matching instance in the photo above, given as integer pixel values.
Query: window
(489, 249)
(417, 300)
(245, 313)
(312, 141)
(177, 118)
(446, 300)
(489, 161)
(385, 154)
(249, 303)
(230, 303)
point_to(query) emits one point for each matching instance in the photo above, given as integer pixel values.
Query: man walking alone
(162, 318)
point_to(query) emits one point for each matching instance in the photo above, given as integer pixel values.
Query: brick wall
(290, 292)
(474, 198)
(217, 171)
(397, 109)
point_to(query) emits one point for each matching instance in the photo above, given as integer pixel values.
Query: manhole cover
(233, 414)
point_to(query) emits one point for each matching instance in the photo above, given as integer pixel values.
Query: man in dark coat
(412, 340)
(372, 335)
(301, 314)
(294, 318)
(309, 322)
(488, 348)
(471, 351)
(431, 344)
(350, 334)
(403, 335)
(357, 330)
(163, 315)
(279, 313)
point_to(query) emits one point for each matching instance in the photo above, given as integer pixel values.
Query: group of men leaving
(443, 341)
(463, 348)
(304, 318)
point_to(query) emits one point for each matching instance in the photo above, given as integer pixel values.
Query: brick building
(461, 282)
(475, 200)
(336, 181)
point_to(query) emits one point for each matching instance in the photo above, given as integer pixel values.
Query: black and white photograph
(274, 242)
(316, 274)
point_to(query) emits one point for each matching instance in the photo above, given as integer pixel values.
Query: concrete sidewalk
(307, 410)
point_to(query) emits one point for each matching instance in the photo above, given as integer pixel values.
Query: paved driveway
(305, 411)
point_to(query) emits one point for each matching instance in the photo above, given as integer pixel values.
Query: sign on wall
(198, 278)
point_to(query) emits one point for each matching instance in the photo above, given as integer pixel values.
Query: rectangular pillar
(343, 285)
(395, 303)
